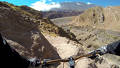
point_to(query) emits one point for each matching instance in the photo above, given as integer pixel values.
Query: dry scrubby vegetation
(45, 25)
(24, 33)
(95, 27)
(26, 22)
(24, 28)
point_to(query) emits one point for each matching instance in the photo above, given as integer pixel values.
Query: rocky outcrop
(93, 15)
(37, 14)
(23, 34)
(103, 18)
(100, 25)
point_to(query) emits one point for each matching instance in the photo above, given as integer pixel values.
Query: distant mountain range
(67, 9)
(73, 6)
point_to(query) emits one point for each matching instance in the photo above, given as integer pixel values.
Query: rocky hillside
(94, 28)
(106, 18)
(34, 36)
(22, 32)
(22, 27)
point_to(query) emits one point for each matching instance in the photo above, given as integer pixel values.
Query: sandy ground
(65, 50)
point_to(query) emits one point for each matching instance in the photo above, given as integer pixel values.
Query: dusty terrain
(62, 21)
(94, 28)
(65, 50)
(23, 34)
(32, 36)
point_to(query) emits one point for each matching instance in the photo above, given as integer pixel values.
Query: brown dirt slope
(104, 18)
(22, 31)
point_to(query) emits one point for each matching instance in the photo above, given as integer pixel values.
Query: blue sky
(98, 2)
(55, 3)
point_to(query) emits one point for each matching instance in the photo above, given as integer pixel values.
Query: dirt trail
(65, 47)
(66, 50)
